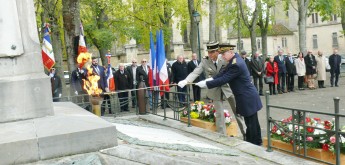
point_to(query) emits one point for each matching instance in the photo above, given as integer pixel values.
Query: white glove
(107, 90)
(209, 79)
(202, 84)
(60, 95)
(76, 92)
(182, 83)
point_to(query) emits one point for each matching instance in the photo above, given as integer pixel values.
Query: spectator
(334, 62)
(272, 70)
(300, 69)
(180, 72)
(56, 85)
(280, 60)
(102, 82)
(244, 57)
(291, 72)
(132, 70)
(123, 81)
(257, 68)
(310, 64)
(77, 83)
(142, 74)
(321, 69)
(191, 66)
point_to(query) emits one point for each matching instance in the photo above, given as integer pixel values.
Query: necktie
(291, 60)
(145, 69)
(215, 64)
(196, 63)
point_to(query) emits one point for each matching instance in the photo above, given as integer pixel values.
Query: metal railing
(299, 121)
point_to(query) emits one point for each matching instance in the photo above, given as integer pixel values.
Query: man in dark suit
(56, 85)
(132, 70)
(335, 61)
(102, 82)
(77, 82)
(280, 60)
(237, 76)
(291, 72)
(244, 57)
(180, 72)
(191, 66)
(257, 67)
(123, 81)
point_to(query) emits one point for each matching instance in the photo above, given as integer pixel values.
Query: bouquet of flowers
(317, 134)
(206, 112)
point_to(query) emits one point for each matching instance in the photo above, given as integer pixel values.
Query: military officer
(248, 101)
(212, 65)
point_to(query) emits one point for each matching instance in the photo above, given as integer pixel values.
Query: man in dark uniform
(334, 62)
(247, 98)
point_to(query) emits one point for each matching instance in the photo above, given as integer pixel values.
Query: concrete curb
(276, 157)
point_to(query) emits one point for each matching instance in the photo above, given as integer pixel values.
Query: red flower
(310, 129)
(291, 141)
(317, 119)
(274, 129)
(307, 119)
(328, 125)
(289, 119)
(325, 147)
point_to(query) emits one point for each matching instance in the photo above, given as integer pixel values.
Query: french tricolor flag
(161, 66)
(82, 46)
(47, 50)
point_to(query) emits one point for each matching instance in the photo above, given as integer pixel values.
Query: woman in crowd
(300, 69)
(272, 71)
(321, 69)
(310, 64)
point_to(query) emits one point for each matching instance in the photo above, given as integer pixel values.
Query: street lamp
(196, 17)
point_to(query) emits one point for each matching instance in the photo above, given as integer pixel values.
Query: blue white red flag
(152, 73)
(110, 79)
(47, 50)
(162, 69)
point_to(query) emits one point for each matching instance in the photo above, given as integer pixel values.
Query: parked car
(66, 77)
(328, 67)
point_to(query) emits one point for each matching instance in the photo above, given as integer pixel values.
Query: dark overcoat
(281, 63)
(310, 64)
(237, 75)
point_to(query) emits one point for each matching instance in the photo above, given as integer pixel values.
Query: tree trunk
(168, 30)
(264, 42)
(252, 40)
(71, 21)
(102, 52)
(302, 15)
(342, 15)
(263, 24)
(212, 22)
(193, 36)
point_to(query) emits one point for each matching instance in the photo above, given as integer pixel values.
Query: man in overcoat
(334, 61)
(257, 68)
(213, 65)
(291, 72)
(248, 101)
(280, 60)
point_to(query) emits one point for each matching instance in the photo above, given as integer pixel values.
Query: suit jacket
(142, 76)
(77, 80)
(290, 66)
(102, 82)
(281, 64)
(191, 67)
(257, 66)
(123, 81)
(334, 61)
(56, 85)
(310, 63)
(207, 66)
(237, 76)
(129, 69)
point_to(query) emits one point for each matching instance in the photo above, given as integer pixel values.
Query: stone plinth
(71, 130)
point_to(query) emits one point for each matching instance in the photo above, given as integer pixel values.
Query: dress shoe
(331, 85)
(323, 87)
(336, 85)
(280, 92)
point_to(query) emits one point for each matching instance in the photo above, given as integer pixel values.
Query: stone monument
(32, 128)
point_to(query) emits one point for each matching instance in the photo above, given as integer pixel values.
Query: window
(314, 18)
(240, 45)
(335, 40)
(315, 41)
(258, 42)
(284, 42)
(334, 17)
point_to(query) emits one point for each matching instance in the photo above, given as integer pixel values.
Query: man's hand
(182, 83)
(202, 84)
(107, 90)
(76, 92)
(209, 79)
(60, 95)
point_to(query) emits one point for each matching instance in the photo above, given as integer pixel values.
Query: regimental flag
(82, 46)
(110, 79)
(152, 73)
(162, 70)
(47, 50)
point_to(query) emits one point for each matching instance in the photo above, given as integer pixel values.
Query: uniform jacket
(179, 70)
(334, 61)
(310, 62)
(56, 86)
(281, 63)
(300, 66)
(102, 82)
(142, 76)
(290, 66)
(321, 67)
(272, 71)
(191, 67)
(257, 66)
(77, 80)
(237, 76)
(207, 66)
(123, 81)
